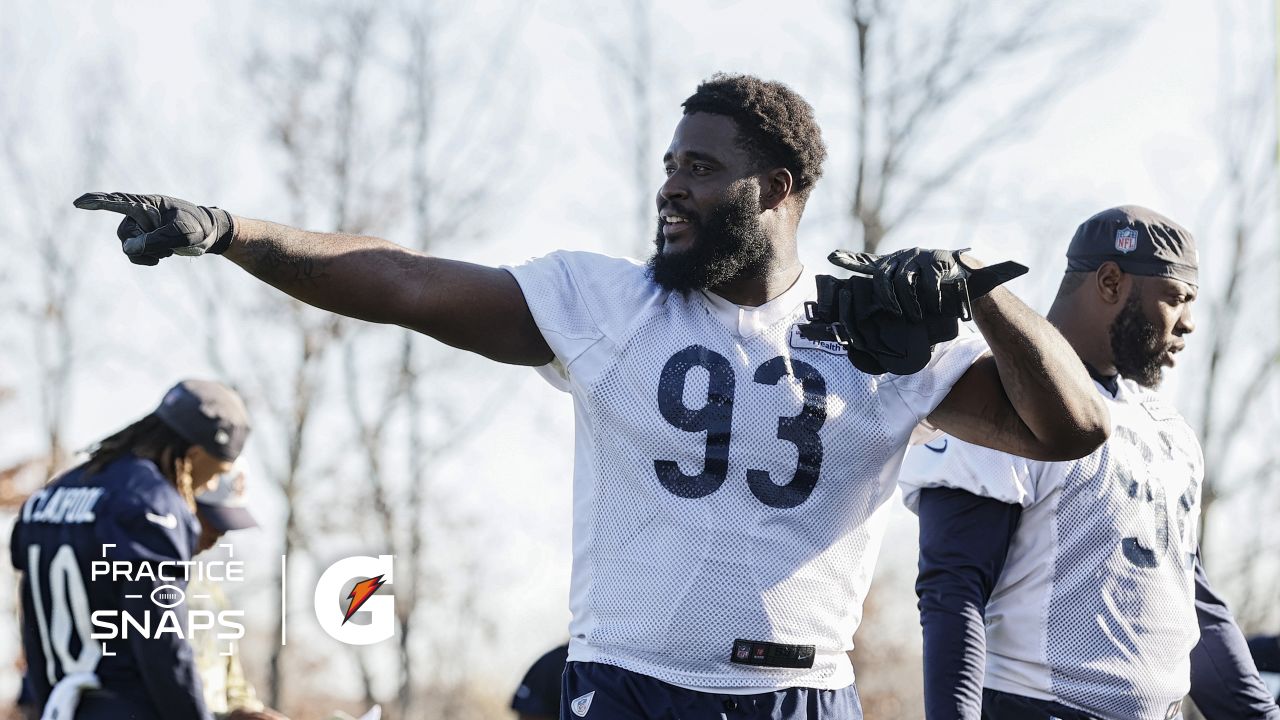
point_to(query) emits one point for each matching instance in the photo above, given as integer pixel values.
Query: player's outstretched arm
(468, 306)
(465, 305)
(1032, 397)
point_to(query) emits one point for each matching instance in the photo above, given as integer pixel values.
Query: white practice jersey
(1095, 607)
(730, 478)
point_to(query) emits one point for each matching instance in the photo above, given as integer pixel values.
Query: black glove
(889, 317)
(907, 281)
(157, 226)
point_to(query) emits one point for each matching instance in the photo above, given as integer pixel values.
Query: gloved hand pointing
(157, 226)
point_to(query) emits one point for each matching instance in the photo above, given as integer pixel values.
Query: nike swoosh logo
(938, 449)
(164, 521)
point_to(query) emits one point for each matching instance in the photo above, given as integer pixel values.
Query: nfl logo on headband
(1126, 240)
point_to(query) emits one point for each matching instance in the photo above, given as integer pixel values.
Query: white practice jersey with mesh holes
(730, 477)
(1095, 606)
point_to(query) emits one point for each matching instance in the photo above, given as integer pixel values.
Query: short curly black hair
(775, 125)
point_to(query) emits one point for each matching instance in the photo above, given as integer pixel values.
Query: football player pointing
(1081, 579)
(731, 477)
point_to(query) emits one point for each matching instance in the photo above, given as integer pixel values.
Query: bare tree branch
(943, 69)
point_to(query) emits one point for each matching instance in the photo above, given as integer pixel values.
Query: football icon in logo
(167, 596)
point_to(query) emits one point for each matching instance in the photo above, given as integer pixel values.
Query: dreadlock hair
(775, 125)
(150, 439)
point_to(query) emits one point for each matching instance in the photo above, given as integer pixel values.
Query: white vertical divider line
(284, 603)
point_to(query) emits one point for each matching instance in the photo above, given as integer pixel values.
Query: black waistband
(997, 705)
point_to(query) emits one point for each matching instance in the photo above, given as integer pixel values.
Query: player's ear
(196, 455)
(205, 468)
(775, 187)
(1112, 283)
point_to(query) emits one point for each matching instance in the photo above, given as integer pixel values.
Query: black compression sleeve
(964, 539)
(1224, 680)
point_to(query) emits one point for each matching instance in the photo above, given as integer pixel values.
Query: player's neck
(1093, 347)
(756, 290)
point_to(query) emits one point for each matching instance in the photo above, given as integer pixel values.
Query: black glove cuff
(227, 224)
(988, 278)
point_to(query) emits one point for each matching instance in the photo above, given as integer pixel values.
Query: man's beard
(729, 244)
(1135, 344)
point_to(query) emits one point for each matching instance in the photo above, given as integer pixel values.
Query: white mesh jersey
(730, 478)
(1095, 606)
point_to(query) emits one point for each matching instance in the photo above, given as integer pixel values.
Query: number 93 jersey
(1095, 606)
(730, 479)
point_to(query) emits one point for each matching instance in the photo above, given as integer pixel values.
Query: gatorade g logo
(335, 604)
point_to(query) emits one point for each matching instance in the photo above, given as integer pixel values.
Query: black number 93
(715, 418)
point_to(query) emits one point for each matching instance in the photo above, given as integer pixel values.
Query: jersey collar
(1110, 383)
(747, 321)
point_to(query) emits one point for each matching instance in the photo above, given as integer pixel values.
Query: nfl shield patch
(1126, 240)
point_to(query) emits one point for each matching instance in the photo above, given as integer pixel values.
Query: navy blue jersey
(95, 554)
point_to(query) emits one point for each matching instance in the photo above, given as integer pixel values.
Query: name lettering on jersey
(800, 342)
(64, 505)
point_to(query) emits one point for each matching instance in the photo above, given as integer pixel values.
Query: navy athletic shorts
(596, 691)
